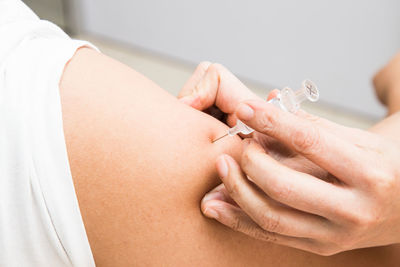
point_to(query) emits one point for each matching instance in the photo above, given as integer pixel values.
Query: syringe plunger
(290, 100)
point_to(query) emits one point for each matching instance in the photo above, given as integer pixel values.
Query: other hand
(357, 206)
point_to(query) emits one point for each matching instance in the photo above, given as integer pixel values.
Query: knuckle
(265, 236)
(266, 123)
(270, 222)
(382, 181)
(307, 140)
(346, 215)
(247, 157)
(234, 189)
(361, 221)
(367, 220)
(351, 218)
(279, 191)
(236, 224)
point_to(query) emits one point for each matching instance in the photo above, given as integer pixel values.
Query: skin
(139, 180)
(303, 181)
(387, 85)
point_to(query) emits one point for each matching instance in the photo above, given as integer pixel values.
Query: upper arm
(141, 162)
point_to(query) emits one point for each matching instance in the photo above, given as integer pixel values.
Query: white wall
(51, 10)
(338, 44)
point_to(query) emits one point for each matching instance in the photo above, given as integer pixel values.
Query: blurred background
(268, 44)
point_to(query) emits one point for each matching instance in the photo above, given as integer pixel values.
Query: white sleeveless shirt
(40, 220)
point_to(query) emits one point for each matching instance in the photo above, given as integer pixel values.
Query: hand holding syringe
(287, 100)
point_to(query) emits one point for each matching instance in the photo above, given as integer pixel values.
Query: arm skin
(141, 162)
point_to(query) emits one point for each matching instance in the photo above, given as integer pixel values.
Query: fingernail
(222, 166)
(272, 94)
(211, 213)
(245, 112)
(213, 196)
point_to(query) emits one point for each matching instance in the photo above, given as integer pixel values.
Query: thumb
(200, 91)
(217, 86)
(190, 85)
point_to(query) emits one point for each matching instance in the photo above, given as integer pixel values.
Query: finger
(197, 75)
(274, 93)
(218, 193)
(302, 164)
(219, 87)
(337, 155)
(270, 215)
(188, 94)
(236, 219)
(330, 126)
(289, 158)
(295, 189)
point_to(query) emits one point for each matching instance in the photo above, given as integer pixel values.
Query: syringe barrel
(290, 100)
(287, 100)
(300, 95)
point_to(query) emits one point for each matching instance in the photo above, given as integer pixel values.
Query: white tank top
(40, 220)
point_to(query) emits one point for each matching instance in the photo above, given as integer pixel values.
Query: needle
(220, 137)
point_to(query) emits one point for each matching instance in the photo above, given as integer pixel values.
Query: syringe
(287, 100)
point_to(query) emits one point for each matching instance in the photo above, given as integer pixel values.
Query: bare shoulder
(141, 161)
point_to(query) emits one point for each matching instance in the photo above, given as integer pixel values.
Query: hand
(358, 206)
